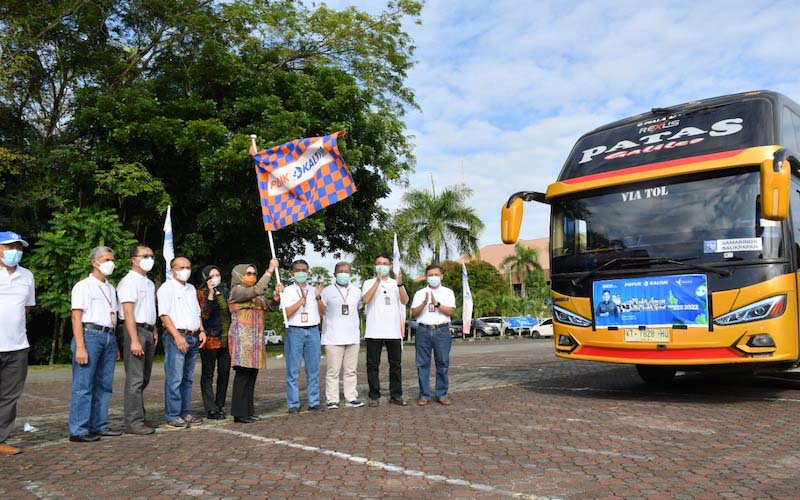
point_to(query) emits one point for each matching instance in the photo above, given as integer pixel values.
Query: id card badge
(387, 300)
(304, 317)
(113, 318)
(345, 309)
(431, 308)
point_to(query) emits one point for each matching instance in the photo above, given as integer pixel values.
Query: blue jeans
(92, 383)
(179, 374)
(439, 342)
(302, 344)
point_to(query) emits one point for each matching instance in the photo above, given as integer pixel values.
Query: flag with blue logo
(169, 249)
(466, 310)
(299, 178)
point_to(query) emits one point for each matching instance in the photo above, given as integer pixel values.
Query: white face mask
(147, 264)
(183, 274)
(216, 280)
(107, 267)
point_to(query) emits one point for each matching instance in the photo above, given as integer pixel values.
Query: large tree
(441, 223)
(522, 264)
(135, 104)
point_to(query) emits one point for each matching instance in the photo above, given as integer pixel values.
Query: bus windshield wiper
(650, 260)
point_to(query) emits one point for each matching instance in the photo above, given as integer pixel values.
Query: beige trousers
(341, 359)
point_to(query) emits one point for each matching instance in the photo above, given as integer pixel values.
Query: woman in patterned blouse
(246, 335)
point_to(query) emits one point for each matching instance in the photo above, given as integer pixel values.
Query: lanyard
(110, 305)
(343, 296)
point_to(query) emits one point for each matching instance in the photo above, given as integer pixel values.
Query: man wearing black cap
(16, 299)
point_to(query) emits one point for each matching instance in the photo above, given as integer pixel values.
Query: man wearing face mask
(433, 306)
(302, 341)
(137, 295)
(339, 304)
(384, 299)
(179, 311)
(16, 299)
(94, 350)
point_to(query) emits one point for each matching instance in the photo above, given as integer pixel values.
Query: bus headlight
(569, 318)
(763, 309)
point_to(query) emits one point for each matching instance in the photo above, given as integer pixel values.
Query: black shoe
(243, 420)
(399, 402)
(106, 432)
(294, 410)
(255, 418)
(222, 414)
(374, 402)
(213, 415)
(316, 408)
(84, 438)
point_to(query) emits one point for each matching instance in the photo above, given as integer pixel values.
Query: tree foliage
(129, 105)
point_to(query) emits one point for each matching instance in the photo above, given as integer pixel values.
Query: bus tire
(656, 376)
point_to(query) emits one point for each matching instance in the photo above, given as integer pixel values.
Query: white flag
(466, 311)
(395, 256)
(396, 269)
(169, 249)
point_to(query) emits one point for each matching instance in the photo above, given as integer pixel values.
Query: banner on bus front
(651, 301)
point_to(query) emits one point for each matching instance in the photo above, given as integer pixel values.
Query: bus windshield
(673, 136)
(701, 221)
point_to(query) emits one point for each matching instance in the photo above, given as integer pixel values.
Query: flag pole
(253, 138)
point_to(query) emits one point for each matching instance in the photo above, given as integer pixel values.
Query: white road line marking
(376, 464)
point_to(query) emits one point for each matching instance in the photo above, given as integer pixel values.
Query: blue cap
(7, 237)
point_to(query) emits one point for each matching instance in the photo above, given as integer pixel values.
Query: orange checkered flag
(299, 178)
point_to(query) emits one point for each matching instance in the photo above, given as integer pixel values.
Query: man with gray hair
(94, 350)
(338, 305)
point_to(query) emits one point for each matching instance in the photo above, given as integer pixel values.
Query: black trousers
(244, 388)
(394, 351)
(219, 360)
(13, 371)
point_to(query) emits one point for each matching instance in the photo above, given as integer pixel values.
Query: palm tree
(522, 264)
(439, 222)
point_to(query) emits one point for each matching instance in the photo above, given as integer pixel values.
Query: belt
(145, 326)
(99, 328)
(304, 327)
(433, 327)
(191, 333)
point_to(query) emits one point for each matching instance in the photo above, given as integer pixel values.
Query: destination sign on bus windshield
(723, 128)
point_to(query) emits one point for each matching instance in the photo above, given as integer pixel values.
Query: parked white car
(497, 322)
(543, 329)
(271, 337)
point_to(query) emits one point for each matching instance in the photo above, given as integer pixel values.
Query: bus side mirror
(511, 215)
(775, 175)
(511, 220)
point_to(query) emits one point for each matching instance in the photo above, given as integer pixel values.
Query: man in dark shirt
(606, 308)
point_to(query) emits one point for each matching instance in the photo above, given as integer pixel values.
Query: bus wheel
(658, 376)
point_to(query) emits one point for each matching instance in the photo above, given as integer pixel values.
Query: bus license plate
(660, 335)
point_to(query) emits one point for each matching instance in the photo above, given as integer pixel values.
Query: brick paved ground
(523, 423)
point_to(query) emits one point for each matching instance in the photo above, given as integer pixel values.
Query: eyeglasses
(249, 273)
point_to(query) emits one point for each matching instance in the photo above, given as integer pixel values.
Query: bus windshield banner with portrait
(653, 301)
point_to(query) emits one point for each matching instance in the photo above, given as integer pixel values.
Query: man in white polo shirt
(302, 341)
(341, 335)
(137, 296)
(179, 311)
(16, 299)
(433, 306)
(94, 350)
(384, 298)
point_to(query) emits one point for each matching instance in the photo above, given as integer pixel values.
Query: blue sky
(507, 87)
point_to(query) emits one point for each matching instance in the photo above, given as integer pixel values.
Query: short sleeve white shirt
(339, 328)
(98, 301)
(16, 293)
(443, 296)
(179, 302)
(138, 289)
(384, 311)
(292, 295)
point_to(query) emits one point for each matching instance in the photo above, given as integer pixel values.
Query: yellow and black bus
(675, 238)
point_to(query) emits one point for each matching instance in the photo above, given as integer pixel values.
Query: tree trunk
(58, 338)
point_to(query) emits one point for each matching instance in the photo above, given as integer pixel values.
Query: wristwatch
(319, 297)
